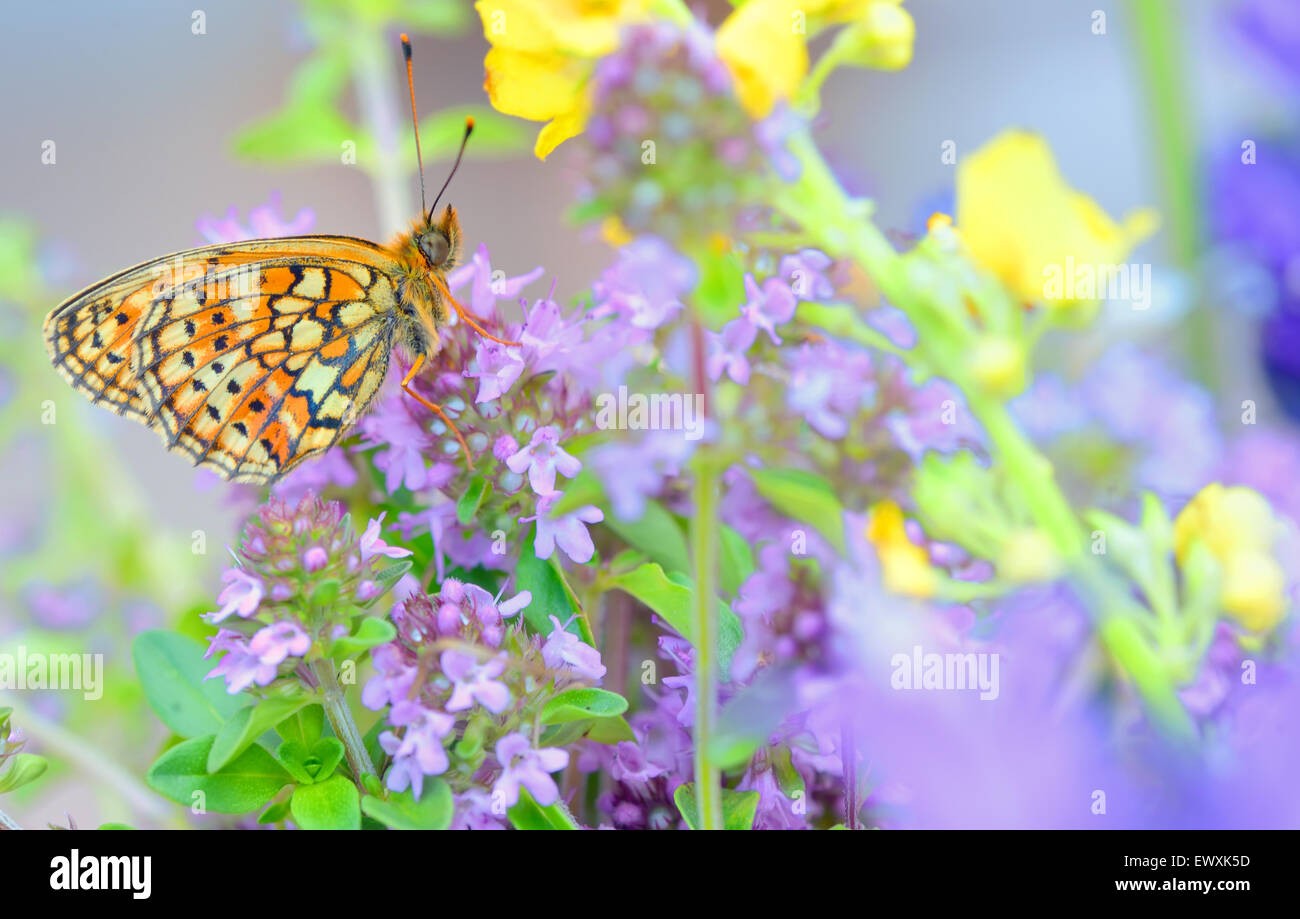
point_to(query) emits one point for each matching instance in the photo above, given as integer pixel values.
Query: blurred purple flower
(264, 222)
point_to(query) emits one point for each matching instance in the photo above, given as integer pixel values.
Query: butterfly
(251, 357)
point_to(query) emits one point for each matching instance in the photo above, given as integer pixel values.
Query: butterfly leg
(437, 410)
(465, 317)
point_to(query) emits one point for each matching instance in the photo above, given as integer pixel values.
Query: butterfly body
(250, 357)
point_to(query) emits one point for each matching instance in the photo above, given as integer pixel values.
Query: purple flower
(805, 273)
(474, 812)
(392, 680)
(646, 283)
(521, 765)
(569, 530)
(474, 682)
(634, 471)
(278, 641)
(372, 545)
(264, 222)
(498, 368)
(390, 425)
(419, 751)
(485, 290)
(772, 134)
(767, 307)
(315, 475)
(565, 651)
(543, 457)
(1273, 27)
(829, 386)
(727, 351)
(241, 595)
(240, 667)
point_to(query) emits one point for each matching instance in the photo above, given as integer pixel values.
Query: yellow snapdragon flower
(905, 566)
(1238, 527)
(764, 43)
(542, 56)
(1018, 218)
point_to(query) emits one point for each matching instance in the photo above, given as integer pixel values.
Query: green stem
(704, 551)
(1157, 31)
(345, 727)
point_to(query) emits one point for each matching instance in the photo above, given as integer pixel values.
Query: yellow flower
(764, 43)
(542, 56)
(1019, 218)
(905, 566)
(1238, 528)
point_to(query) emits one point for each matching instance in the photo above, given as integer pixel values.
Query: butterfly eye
(435, 248)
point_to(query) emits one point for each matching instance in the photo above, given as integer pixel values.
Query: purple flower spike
(522, 766)
(543, 457)
(568, 530)
(241, 595)
(372, 545)
(475, 682)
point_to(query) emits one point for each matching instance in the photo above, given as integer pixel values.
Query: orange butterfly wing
(248, 357)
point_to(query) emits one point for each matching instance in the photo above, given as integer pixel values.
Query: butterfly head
(437, 239)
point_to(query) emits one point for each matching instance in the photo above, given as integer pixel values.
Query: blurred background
(160, 119)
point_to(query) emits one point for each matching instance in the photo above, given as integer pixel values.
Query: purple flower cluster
(272, 608)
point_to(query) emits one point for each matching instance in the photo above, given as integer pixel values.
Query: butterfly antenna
(469, 129)
(415, 119)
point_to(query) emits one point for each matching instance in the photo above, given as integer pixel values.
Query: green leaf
(805, 497)
(529, 815)
(23, 768)
(674, 603)
(467, 507)
(325, 756)
(610, 730)
(171, 669)
(657, 534)
(275, 813)
(552, 595)
(370, 633)
(738, 807)
(402, 812)
(581, 703)
(304, 726)
(386, 577)
(248, 724)
(334, 804)
(735, 562)
(116, 826)
(721, 287)
(241, 786)
(309, 127)
(325, 593)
